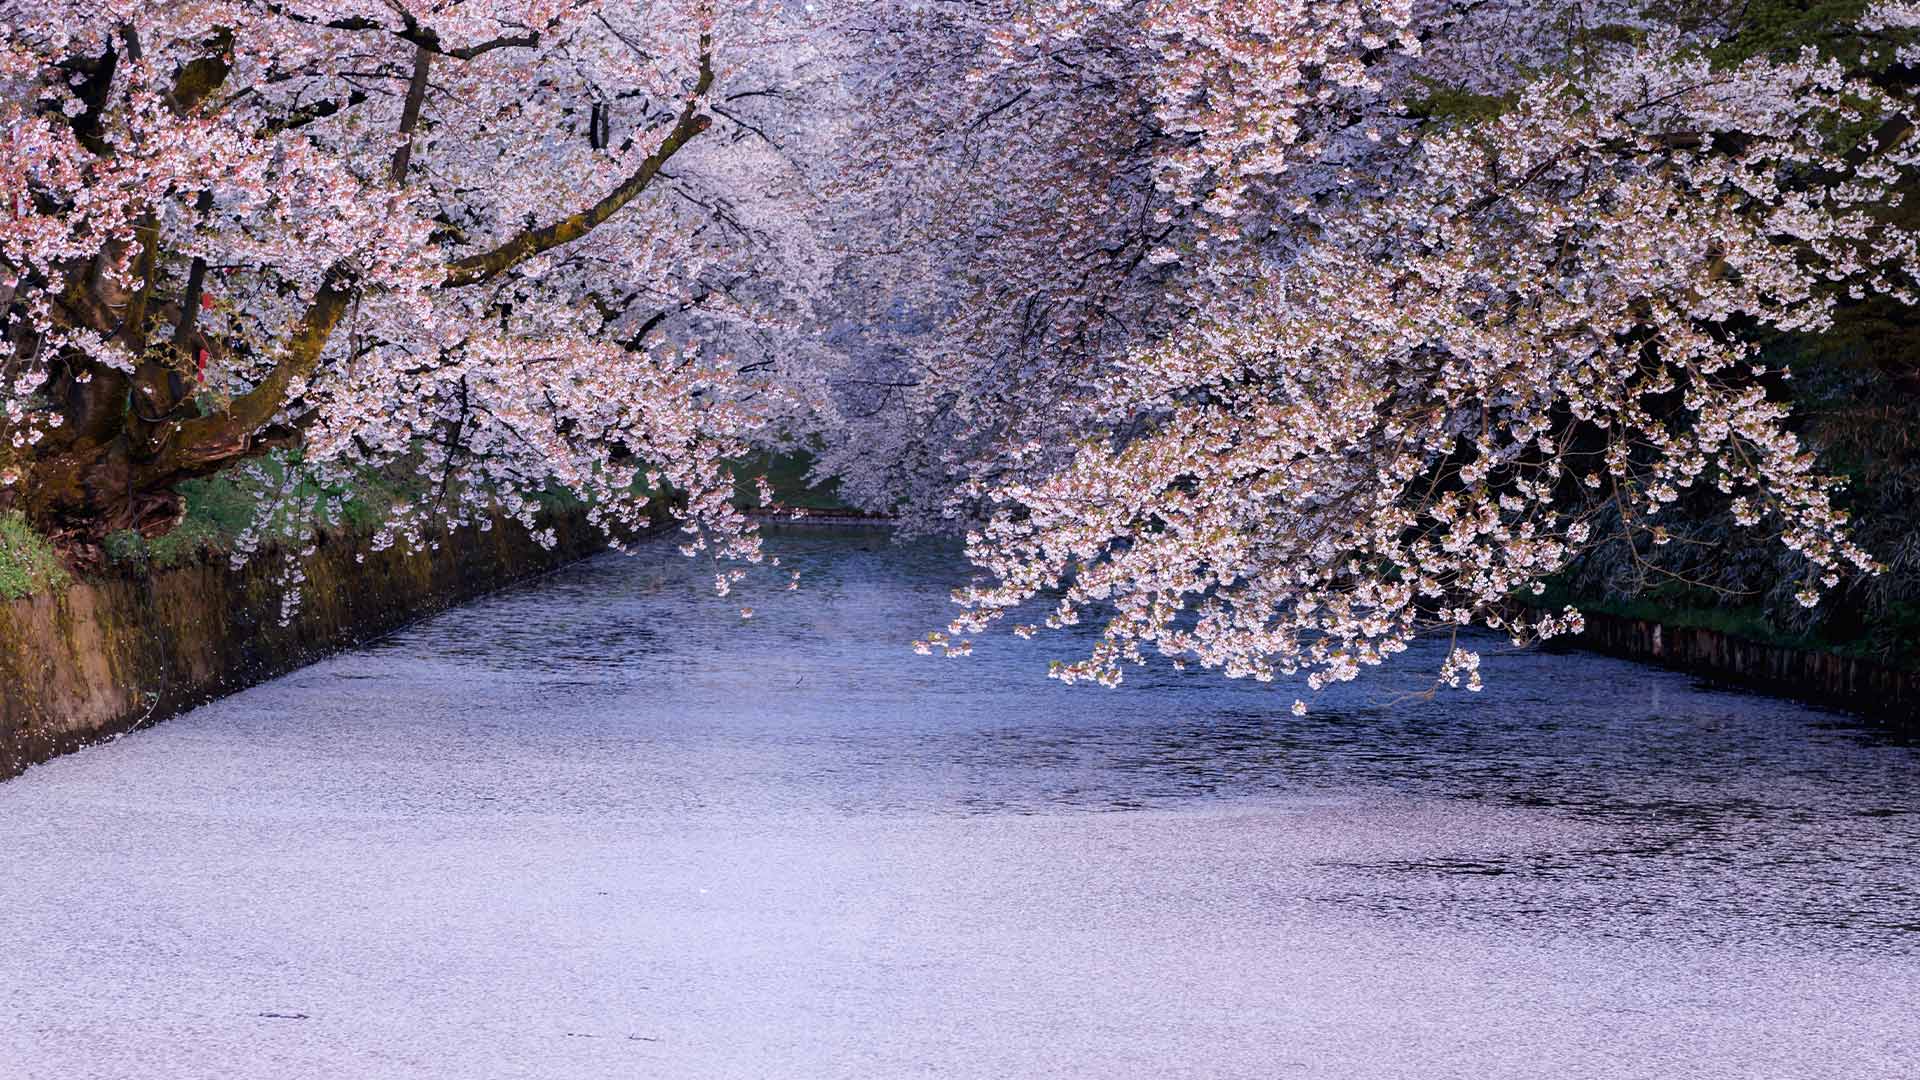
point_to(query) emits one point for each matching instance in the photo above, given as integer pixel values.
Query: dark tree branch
(478, 268)
(410, 115)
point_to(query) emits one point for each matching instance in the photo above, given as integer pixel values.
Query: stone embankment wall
(103, 657)
(1822, 678)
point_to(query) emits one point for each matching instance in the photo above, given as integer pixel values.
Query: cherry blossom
(511, 246)
(1263, 335)
(1423, 348)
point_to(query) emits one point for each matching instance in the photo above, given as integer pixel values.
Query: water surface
(600, 826)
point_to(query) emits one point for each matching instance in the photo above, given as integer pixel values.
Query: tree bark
(410, 114)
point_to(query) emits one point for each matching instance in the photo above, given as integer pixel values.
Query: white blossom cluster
(1411, 403)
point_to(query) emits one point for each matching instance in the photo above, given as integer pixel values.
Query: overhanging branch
(228, 433)
(475, 269)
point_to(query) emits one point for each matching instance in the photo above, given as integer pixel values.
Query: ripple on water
(604, 804)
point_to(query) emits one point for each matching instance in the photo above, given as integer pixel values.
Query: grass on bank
(219, 509)
(786, 474)
(28, 563)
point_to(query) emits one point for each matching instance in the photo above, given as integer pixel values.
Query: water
(600, 826)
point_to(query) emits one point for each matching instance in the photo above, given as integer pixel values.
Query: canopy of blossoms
(1347, 322)
(1268, 333)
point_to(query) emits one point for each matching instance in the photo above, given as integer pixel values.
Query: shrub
(126, 548)
(188, 541)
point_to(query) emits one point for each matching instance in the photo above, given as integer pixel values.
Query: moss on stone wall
(101, 657)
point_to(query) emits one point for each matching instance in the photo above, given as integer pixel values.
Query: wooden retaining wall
(1822, 678)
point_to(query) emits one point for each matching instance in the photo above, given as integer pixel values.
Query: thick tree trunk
(93, 490)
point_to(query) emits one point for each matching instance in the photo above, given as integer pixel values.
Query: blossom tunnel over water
(1277, 355)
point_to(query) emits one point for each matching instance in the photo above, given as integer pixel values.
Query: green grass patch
(126, 549)
(28, 564)
(219, 508)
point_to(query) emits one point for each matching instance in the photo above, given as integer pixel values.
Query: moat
(600, 825)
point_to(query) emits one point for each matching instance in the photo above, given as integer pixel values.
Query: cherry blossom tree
(1271, 333)
(1035, 172)
(1471, 287)
(515, 245)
